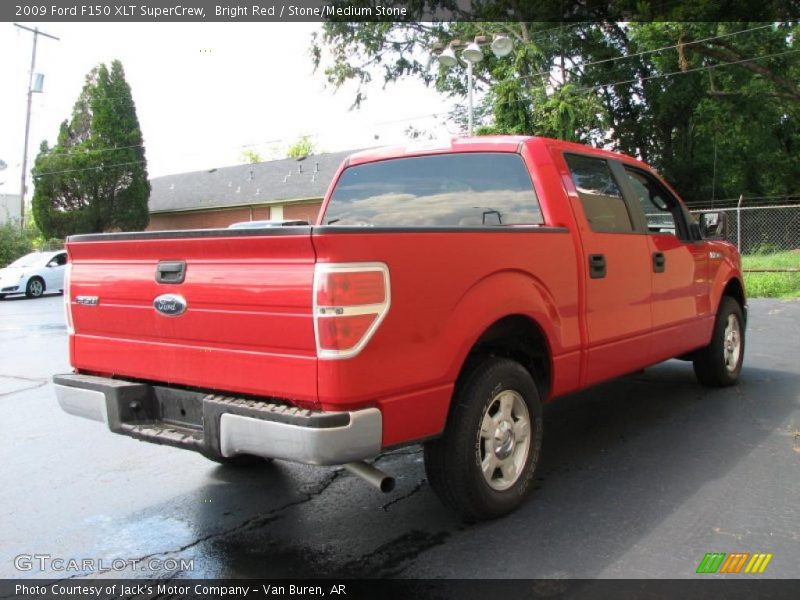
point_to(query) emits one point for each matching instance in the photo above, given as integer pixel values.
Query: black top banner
(396, 11)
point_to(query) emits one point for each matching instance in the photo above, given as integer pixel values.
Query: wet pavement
(639, 477)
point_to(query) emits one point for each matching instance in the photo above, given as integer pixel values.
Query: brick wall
(209, 219)
(305, 212)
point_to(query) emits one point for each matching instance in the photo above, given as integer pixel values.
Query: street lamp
(502, 45)
(448, 58)
(472, 54)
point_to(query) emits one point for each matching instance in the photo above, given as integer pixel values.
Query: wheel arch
(520, 338)
(735, 289)
(509, 313)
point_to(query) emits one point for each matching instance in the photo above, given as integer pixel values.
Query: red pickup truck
(444, 294)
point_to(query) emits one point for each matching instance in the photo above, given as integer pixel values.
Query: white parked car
(33, 274)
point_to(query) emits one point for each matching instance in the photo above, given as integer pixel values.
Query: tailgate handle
(173, 271)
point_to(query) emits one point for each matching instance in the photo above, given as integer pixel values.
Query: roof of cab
(489, 143)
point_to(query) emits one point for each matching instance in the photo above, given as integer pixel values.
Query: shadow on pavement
(618, 460)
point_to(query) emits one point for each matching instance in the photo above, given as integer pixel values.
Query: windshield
(34, 259)
(475, 189)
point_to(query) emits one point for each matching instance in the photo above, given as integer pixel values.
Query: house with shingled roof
(285, 189)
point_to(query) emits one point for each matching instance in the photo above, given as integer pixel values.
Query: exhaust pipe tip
(387, 484)
(372, 475)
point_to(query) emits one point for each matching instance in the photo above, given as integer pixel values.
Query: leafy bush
(301, 148)
(15, 242)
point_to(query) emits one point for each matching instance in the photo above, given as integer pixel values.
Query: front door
(618, 284)
(54, 272)
(680, 267)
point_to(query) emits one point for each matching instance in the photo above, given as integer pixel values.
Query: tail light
(67, 296)
(350, 301)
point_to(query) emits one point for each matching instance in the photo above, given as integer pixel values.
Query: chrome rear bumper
(224, 426)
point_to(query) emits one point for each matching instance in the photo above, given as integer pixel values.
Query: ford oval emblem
(171, 305)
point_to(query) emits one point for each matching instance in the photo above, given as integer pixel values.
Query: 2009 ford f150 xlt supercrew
(443, 296)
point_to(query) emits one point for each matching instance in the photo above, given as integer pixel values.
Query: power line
(410, 119)
(662, 75)
(580, 90)
(436, 114)
(95, 168)
(94, 151)
(252, 144)
(692, 70)
(645, 52)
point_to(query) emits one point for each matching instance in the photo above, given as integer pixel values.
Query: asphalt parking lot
(639, 478)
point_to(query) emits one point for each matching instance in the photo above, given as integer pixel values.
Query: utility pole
(36, 34)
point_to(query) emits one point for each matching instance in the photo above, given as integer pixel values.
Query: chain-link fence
(762, 229)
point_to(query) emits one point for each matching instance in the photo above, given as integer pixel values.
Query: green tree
(713, 105)
(95, 178)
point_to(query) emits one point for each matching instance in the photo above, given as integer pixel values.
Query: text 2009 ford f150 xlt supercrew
(442, 297)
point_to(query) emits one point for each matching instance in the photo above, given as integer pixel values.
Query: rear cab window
(469, 189)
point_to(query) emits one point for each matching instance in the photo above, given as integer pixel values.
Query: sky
(203, 93)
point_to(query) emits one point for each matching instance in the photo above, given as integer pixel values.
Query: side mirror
(714, 225)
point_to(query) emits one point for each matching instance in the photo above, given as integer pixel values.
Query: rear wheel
(35, 287)
(483, 464)
(720, 363)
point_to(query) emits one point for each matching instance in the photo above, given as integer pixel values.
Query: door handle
(173, 271)
(659, 262)
(597, 266)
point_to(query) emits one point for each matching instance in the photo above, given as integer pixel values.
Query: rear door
(617, 262)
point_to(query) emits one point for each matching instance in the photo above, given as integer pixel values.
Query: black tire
(715, 365)
(453, 462)
(35, 287)
(240, 460)
(2, 296)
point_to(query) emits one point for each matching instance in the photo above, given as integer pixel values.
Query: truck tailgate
(247, 326)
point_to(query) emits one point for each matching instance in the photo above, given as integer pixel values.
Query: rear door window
(476, 189)
(601, 197)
